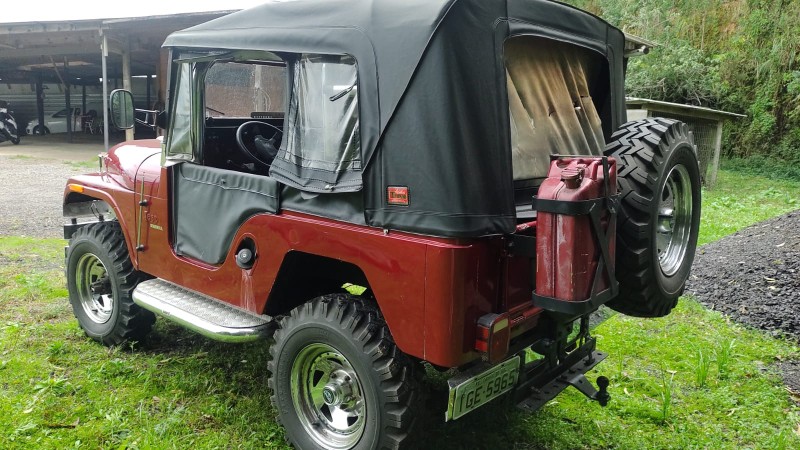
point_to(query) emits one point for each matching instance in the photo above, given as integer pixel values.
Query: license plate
(471, 393)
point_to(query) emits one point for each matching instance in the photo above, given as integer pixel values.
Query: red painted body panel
(103, 188)
(567, 253)
(519, 276)
(430, 290)
(123, 161)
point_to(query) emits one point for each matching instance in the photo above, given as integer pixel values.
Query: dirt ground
(32, 179)
(753, 276)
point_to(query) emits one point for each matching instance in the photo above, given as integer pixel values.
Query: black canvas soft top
(432, 85)
(387, 38)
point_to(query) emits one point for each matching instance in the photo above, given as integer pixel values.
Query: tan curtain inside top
(551, 108)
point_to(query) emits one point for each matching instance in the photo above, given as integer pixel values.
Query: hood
(124, 161)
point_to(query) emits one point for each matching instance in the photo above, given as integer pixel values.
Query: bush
(765, 166)
(677, 73)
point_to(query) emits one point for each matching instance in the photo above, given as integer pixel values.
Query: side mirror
(122, 109)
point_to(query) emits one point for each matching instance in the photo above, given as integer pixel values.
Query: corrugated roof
(689, 109)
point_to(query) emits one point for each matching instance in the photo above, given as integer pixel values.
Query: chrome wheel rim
(328, 397)
(674, 223)
(94, 288)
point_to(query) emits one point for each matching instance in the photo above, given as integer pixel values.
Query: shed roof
(30, 47)
(678, 108)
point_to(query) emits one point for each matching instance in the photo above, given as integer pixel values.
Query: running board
(197, 312)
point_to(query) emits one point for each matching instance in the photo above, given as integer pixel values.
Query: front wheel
(101, 280)
(40, 130)
(338, 379)
(659, 214)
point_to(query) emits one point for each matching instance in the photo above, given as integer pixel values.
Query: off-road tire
(101, 247)
(647, 151)
(353, 328)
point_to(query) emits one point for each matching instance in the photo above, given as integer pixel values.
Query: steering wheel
(255, 147)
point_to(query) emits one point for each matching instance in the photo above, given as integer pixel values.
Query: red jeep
(377, 184)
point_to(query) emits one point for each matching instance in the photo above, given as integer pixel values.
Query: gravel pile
(753, 276)
(31, 192)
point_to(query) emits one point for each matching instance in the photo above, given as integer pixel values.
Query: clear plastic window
(234, 89)
(323, 124)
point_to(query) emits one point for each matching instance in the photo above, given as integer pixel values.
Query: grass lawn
(691, 380)
(740, 199)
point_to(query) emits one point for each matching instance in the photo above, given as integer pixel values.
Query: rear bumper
(541, 380)
(542, 383)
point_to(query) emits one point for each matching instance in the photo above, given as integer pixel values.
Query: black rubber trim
(574, 308)
(579, 208)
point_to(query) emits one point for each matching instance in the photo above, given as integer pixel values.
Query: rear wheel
(101, 280)
(338, 379)
(659, 216)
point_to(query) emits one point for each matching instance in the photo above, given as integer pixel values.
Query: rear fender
(303, 277)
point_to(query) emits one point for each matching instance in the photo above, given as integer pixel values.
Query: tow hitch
(574, 376)
(547, 377)
(581, 383)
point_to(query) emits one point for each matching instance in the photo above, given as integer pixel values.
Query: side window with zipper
(322, 148)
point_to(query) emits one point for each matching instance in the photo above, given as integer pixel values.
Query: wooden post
(126, 80)
(717, 149)
(67, 98)
(149, 88)
(40, 100)
(104, 51)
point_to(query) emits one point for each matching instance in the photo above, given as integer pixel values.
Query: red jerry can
(567, 249)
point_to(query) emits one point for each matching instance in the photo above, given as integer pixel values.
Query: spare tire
(659, 214)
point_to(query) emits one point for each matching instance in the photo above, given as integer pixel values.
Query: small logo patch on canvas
(397, 195)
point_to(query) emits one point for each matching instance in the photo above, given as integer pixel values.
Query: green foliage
(763, 166)
(702, 368)
(737, 55)
(724, 353)
(666, 392)
(678, 73)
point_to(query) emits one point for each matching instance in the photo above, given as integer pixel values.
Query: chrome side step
(197, 312)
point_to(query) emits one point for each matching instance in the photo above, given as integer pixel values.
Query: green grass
(740, 199)
(85, 165)
(60, 390)
(690, 380)
(656, 402)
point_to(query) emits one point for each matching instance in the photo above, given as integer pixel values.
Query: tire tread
(640, 147)
(362, 320)
(133, 322)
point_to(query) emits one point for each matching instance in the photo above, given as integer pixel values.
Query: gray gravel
(31, 191)
(753, 275)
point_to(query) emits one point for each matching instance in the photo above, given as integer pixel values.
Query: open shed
(85, 59)
(705, 123)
